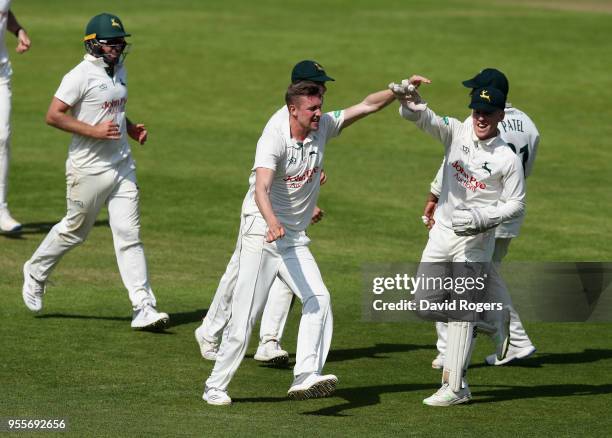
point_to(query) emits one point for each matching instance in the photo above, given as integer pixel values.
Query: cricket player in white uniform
(277, 209)
(276, 310)
(91, 104)
(481, 170)
(10, 23)
(521, 134)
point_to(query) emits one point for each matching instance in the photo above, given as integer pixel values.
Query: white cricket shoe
(147, 317)
(445, 396)
(438, 362)
(7, 223)
(33, 290)
(216, 397)
(207, 349)
(312, 385)
(512, 354)
(272, 353)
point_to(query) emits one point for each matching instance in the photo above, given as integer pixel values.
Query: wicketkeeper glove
(472, 221)
(408, 95)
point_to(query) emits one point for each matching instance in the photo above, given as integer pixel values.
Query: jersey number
(524, 151)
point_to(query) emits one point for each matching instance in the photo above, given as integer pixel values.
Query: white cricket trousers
(275, 312)
(86, 194)
(5, 130)
(498, 288)
(259, 263)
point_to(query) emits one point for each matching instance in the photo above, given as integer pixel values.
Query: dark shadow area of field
(377, 351)
(42, 228)
(541, 359)
(355, 397)
(504, 393)
(176, 319)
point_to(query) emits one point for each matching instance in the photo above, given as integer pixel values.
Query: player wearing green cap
(91, 103)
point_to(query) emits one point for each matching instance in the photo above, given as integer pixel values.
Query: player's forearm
(262, 199)
(510, 209)
(376, 101)
(67, 123)
(12, 24)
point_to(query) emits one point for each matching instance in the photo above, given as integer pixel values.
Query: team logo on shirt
(466, 180)
(485, 167)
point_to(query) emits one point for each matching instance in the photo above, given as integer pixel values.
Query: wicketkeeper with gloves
(480, 170)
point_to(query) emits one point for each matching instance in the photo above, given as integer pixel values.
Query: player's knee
(316, 303)
(126, 236)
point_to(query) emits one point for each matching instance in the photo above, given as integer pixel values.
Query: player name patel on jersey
(512, 125)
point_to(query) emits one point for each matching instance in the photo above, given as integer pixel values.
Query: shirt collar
(489, 142)
(286, 130)
(95, 61)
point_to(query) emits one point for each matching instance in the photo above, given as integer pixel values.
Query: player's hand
(275, 232)
(107, 130)
(428, 213)
(137, 132)
(317, 215)
(23, 41)
(417, 80)
(323, 179)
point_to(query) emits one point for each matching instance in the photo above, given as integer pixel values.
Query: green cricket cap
(309, 71)
(104, 26)
(489, 77)
(488, 99)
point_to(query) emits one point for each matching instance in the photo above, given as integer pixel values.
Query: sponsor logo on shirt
(466, 180)
(115, 105)
(298, 181)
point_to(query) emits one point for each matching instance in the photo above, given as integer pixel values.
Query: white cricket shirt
(95, 97)
(521, 134)
(5, 6)
(477, 174)
(296, 165)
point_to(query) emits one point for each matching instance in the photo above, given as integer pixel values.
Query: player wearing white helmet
(91, 103)
(277, 209)
(10, 23)
(208, 334)
(521, 134)
(480, 171)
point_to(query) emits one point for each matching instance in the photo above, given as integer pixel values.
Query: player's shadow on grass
(378, 351)
(42, 228)
(540, 359)
(358, 397)
(499, 393)
(176, 319)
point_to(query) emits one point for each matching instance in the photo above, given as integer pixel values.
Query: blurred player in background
(10, 23)
(521, 134)
(91, 103)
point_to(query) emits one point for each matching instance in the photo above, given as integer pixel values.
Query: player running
(91, 103)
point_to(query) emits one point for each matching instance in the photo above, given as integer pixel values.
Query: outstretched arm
(371, 104)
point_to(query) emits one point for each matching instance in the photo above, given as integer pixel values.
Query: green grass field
(205, 76)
